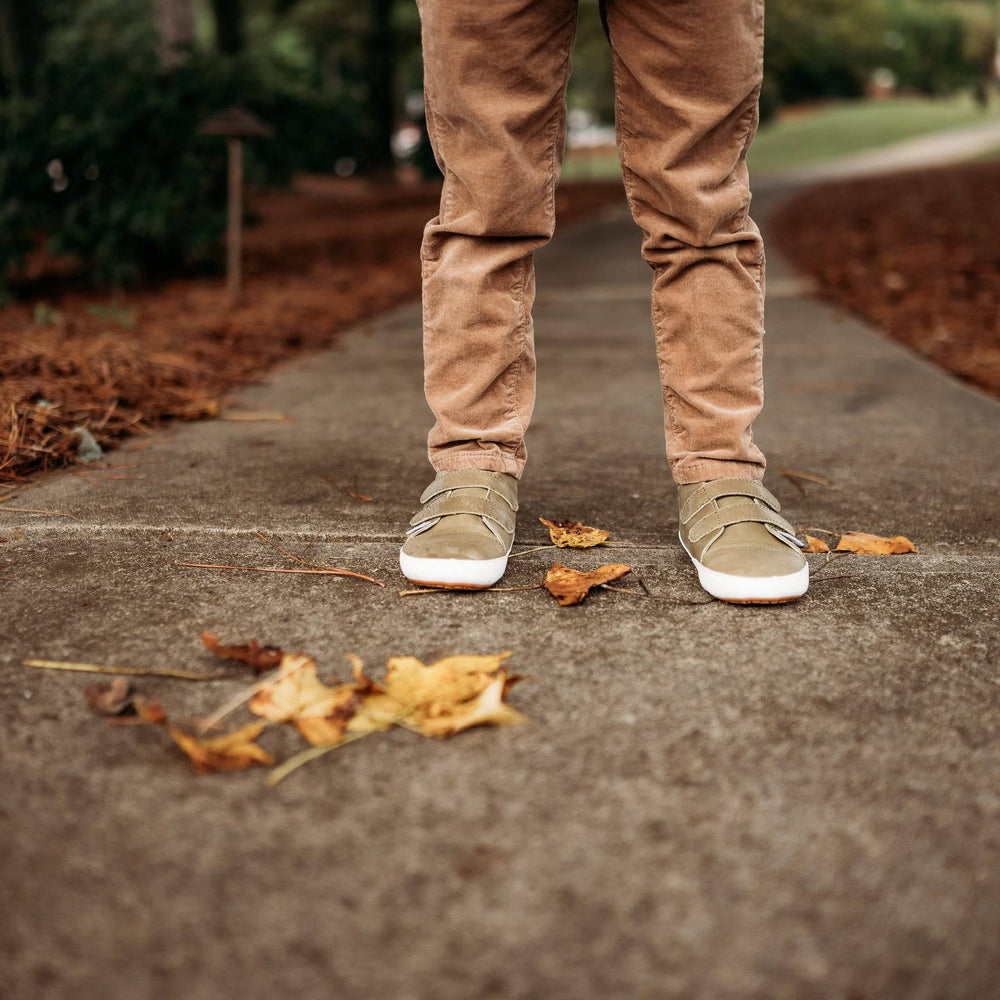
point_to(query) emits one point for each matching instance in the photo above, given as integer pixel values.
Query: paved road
(712, 802)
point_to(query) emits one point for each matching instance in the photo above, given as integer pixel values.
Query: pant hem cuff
(487, 463)
(696, 472)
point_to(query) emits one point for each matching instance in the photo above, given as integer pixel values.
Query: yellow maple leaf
(321, 731)
(377, 711)
(453, 694)
(297, 692)
(234, 751)
(574, 535)
(321, 713)
(486, 709)
(449, 681)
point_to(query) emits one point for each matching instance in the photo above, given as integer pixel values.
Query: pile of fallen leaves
(435, 700)
(325, 255)
(916, 254)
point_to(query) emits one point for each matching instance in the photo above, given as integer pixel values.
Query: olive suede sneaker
(462, 535)
(745, 553)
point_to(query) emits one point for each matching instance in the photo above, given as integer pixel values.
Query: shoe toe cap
(755, 562)
(453, 545)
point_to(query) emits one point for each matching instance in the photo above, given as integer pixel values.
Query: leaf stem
(459, 590)
(96, 668)
(278, 569)
(526, 552)
(282, 771)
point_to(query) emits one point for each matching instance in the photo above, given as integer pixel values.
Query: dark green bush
(103, 158)
(939, 48)
(104, 161)
(817, 49)
(820, 48)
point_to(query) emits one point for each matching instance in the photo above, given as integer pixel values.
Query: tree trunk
(380, 50)
(8, 52)
(228, 26)
(22, 43)
(175, 23)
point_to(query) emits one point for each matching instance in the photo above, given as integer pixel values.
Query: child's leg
(687, 76)
(495, 75)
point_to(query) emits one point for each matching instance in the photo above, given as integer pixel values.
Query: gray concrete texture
(711, 801)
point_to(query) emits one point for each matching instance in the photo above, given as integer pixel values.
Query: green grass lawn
(797, 138)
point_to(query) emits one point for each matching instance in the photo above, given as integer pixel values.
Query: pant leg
(495, 74)
(687, 80)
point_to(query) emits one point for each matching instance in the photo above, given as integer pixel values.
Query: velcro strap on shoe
(734, 514)
(468, 502)
(716, 488)
(466, 478)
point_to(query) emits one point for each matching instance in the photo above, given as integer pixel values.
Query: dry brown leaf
(874, 545)
(322, 714)
(570, 586)
(377, 711)
(811, 477)
(150, 711)
(450, 695)
(352, 713)
(574, 535)
(450, 681)
(147, 713)
(295, 692)
(328, 729)
(261, 658)
(815, 545)
(112, 698)
(350, 493)
(235, 751)
(485, 709)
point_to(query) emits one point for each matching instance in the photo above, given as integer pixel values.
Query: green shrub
(816, 49)
(820, 48)
(104, 159)
(940, 48)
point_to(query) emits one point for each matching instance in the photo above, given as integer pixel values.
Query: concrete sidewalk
(712, 801)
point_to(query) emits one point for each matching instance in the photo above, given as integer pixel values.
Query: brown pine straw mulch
(916, 254)
(326, 254)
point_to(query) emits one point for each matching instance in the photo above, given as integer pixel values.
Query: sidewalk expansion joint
(943, 551)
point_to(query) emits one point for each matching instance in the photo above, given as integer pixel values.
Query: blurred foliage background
(101, 101)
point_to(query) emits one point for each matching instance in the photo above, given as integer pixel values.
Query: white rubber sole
(472, 574)
(750, 589)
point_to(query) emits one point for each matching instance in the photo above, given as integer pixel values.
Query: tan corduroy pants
(687, 79)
